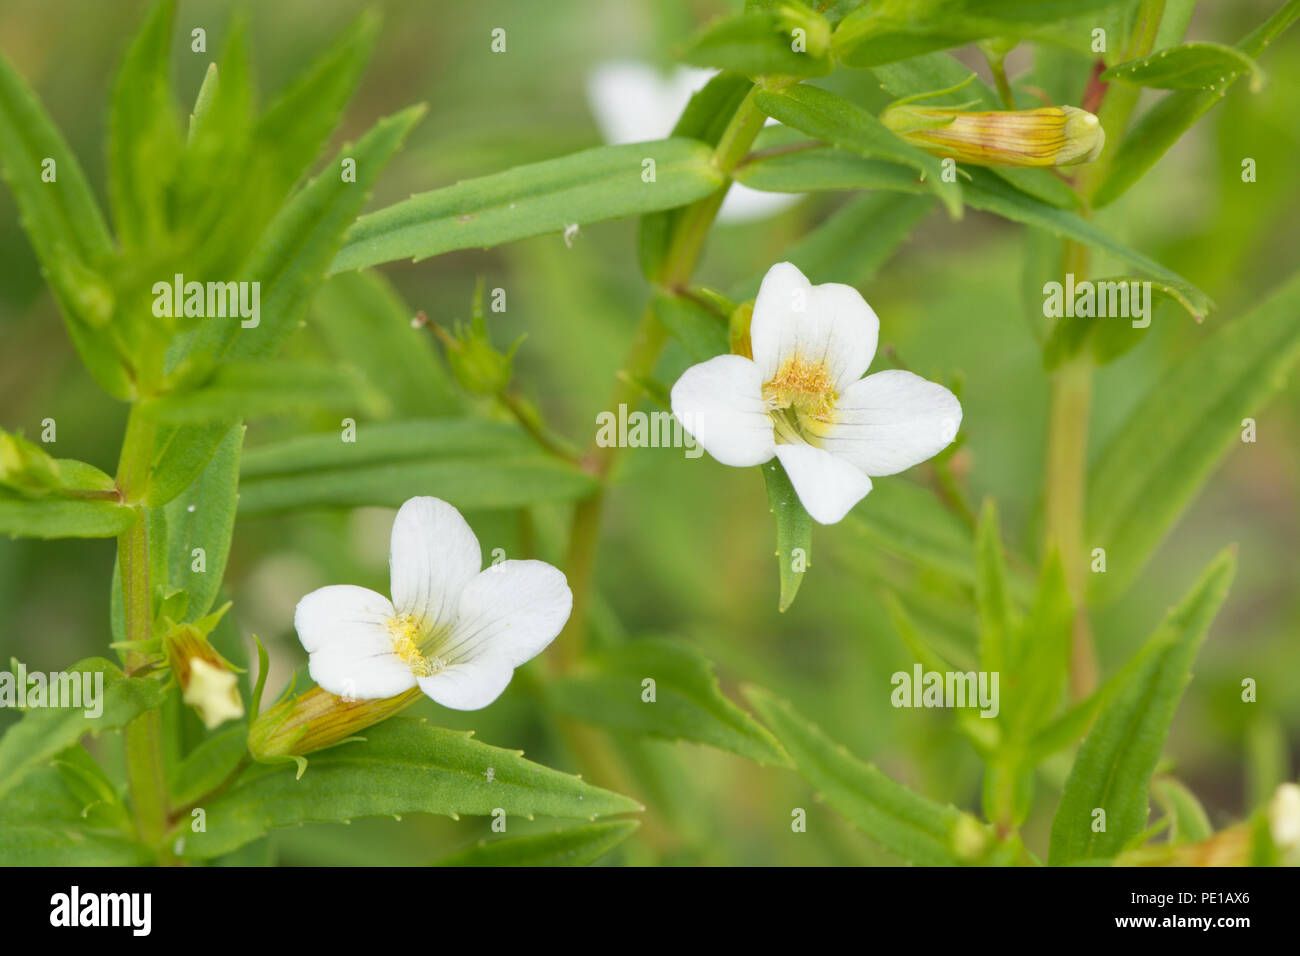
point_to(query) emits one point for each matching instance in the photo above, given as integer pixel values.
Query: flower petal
(827, 486)
(829, 322)
(507, 615)
(432, 557)
(510, 612)
(469, 686)
(720, 402)
(890, 421)
(345, 631)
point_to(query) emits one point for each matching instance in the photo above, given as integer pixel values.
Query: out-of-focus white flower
(633, 102)
(802, 397)
(454, 630)
(1284, 821)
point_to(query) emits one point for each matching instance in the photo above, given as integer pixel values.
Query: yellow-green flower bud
(1049, 136)
(318, 719)
(208, 683)
(477, 365)
(26, 467)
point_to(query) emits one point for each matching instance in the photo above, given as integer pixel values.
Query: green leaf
(44, 732)
(1166, 122)
(1038, 656)
(818, 169)
(204, 517)
(907, 824)
(144, 139)
(64, 224)
(701, 332)
(56, 517)
(472, 464)
(575, 846)
(763, 42)
(292, 258)
(367, 325)
(1158, 460)
(181, 452)
(1192, 66)
(887, 30)
(794, 527)
(246, 389)
(854, 242)
(1189, 822)
(42, 824)
(688, 703)
(207, 765)
(1113, 769)
(847, 125)
(403, 765)
(297, 124)
(594, 185)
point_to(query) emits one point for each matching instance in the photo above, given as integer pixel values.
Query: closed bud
(477, 365)
(318, 719)
(208, 682)
(1049, 136)
(26, 467)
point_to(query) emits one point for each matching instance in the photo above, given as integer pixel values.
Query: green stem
(143, 736)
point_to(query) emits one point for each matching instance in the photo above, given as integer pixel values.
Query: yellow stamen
(801, 397)
(404, 629)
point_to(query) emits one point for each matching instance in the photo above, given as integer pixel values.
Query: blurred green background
(687, 548)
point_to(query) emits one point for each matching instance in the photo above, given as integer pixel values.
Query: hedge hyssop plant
(220, 238)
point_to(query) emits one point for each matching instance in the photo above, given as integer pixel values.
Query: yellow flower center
(406, 631)
(801, 400)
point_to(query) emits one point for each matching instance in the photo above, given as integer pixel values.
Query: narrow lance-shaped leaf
(1192, 66)
(575, 846)
(837, 121)
(475, 464)
(907, 824)
(45, 731)
(144, 139)
(403, 765)
(790, 40)
(663, 688)
(44, 823)
(247, 389)
(64, 224)
(200, 523)
(1188, 821)
(794, 528)
(1155, 463)
(594, 185)
(1112, 772)
(818, 169)
(1162, 126)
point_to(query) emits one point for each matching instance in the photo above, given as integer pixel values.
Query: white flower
(454, 630)
(213, 692)
(1284, 821)
(633, 102)
(802, 397)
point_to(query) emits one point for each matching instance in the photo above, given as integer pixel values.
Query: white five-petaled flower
(633, 102)
(454, 630)
(802, 397)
